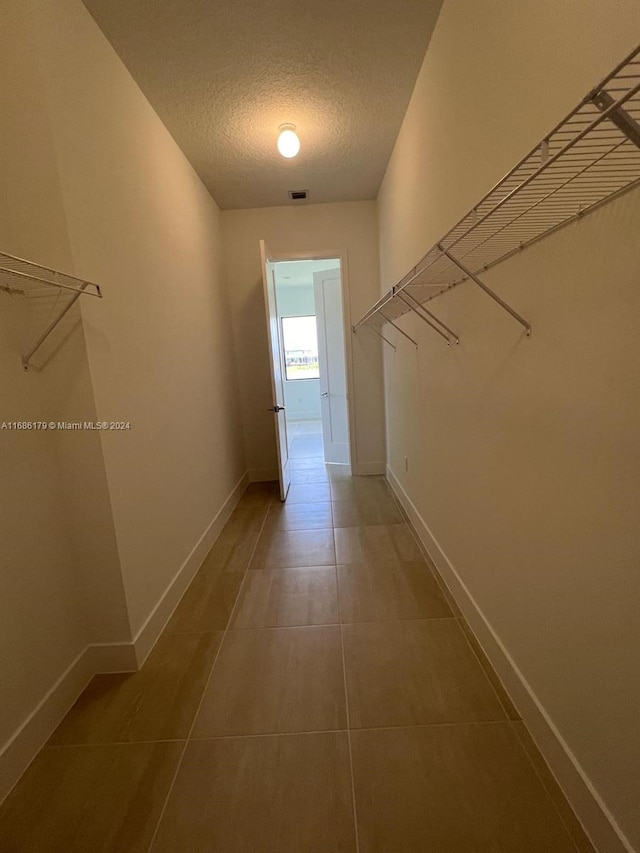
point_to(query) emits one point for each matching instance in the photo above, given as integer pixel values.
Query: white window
(300, 340)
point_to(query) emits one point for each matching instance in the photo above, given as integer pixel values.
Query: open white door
(275, 366)
(333, 372)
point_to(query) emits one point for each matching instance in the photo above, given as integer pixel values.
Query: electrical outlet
(406, 463)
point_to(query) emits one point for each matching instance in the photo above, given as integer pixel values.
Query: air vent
(297, 195)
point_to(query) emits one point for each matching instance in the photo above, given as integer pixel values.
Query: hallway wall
(348, 227)
(93, 184)
(522, 454)
(60, 582)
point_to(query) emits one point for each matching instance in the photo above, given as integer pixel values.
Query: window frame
(284, 352)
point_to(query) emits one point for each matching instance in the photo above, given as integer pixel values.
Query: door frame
(342, 256)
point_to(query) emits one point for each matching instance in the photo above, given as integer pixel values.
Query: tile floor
(316, 691)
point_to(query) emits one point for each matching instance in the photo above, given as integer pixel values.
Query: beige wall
(60, 580)
(95, 527)
(141, 223)
(43, 628)
(349, 228)
(523, 456)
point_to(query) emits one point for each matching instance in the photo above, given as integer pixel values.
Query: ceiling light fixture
(288, 141)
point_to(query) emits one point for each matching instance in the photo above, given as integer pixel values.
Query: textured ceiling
(223, 74)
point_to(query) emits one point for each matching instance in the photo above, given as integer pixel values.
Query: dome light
(288, 141)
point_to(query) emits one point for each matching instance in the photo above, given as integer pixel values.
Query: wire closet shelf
(592, 156)
(30, 280)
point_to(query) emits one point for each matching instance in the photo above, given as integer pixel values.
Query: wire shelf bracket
(18, 276)
(590, 158)
(619, 116)
(380, 335)
(428, 318)
(487, 290)
(395, 326)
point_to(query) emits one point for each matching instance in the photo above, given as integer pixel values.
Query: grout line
(447, 594)
(254, 735)
(215, 660)
(287, 627)
(484, 672)
(447, 724)
(315, 624)
(112, 743)
(346, 707)
(545, 787)
(461, 618)
(483, 667)
(336, 624)
(512, 723)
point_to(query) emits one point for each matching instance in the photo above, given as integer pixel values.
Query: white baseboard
(370, 469)
(23, 746)
(262, 475)
(147, 636)
(597, 820)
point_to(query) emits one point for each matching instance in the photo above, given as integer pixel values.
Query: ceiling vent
(298, 195)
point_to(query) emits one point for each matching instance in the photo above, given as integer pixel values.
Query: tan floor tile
(338, 472)
(309, 475)
(232, 550)
(275, 680)
(573, 825)
(451, 789)
(444, 589)
(274, 598)
(306, 427)
(288, 794)
(157, 703)
(258, 494)
(363, 488)
(309, 493)
(307, 446)
(490, 672)
(230, 556)
(294, 548)
(311, 463)
(89, 798)
(207, 604)
(410, 673)
(366, 511)
(247, 518)
(382, 593)
(299, 516)
(380, 544)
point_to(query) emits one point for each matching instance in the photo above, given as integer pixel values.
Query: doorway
(310, 326)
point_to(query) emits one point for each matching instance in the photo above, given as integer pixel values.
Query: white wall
(96, 528)
(61, 587)
(326, 229)
(302, 396)
(523, 458)
(160, 349)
